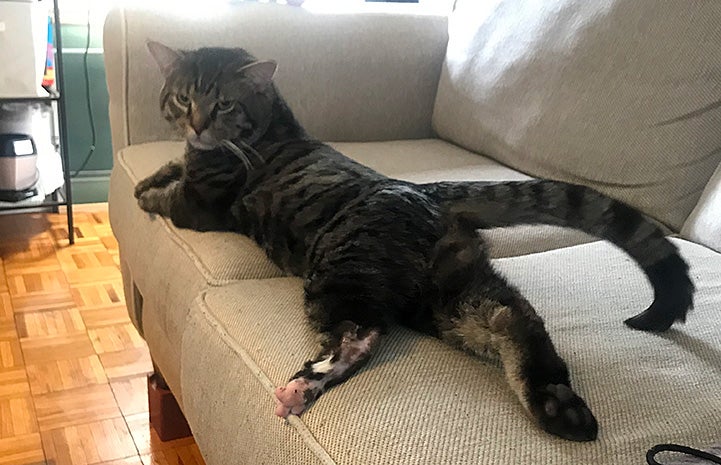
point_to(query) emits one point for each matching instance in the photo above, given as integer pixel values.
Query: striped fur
(375, 251)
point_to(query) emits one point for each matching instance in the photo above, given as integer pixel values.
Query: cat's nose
(199, 123)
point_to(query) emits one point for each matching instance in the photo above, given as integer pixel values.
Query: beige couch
(601, 93)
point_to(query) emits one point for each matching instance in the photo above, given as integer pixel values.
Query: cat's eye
(225, 105)
(182, 99)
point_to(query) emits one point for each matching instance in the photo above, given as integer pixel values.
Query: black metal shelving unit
(63, 195)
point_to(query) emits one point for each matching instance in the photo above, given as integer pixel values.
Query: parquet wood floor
(72, 367)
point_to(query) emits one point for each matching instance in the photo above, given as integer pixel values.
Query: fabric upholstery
(321, 78)
(620, 95)
(419, 401)
(704, 223)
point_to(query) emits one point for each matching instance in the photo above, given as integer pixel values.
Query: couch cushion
(620, 95)
(704, 223)
(331, 64)
(419, 401)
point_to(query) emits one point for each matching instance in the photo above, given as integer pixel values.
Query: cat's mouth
(202, 142)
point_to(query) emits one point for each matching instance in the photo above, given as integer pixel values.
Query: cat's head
(215, 94)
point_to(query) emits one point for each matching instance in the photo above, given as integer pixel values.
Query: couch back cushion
(348, 76)
(620, 95)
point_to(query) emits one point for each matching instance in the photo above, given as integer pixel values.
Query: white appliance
(23, 47)
(24, 175)
(18, 167)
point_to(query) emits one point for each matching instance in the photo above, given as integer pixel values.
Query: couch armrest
(347, 76)
(703, 225)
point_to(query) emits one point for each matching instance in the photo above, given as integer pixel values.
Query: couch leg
(165, 415)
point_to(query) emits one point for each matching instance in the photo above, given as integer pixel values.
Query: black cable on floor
(655, 450)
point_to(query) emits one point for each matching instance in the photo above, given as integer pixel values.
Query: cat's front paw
(141, 187)
(561, 412)
(148, 201)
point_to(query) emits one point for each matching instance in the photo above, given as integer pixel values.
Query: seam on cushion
(511, 257)
(207, 275)
(306, 435)
(676, 239)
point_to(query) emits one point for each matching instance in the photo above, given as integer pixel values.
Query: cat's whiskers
(238, 153)
(250, 149)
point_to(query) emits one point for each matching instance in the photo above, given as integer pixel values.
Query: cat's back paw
(293, 398)
(561, 412)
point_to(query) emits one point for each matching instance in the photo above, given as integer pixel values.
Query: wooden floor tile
(37, 282)
(65, 374)
(11, 355)
(104, 316)
(14, 382)
(41, 301)
(185, 455)
(22, 450)
(82, 256)
(131, 394)
(89, 443)
(134, 460)
(6, 307)
(88, 263)
(110, 242)
(75, 407)
(146, 438)
(17, 416)
(89, 275)
(98, 295)
(7, 329)
(22, 258)
(127, 363)
(84, 231)
(30, 227)
(3, 281)
(48, 349)
(115, 338)
(99, 218)
(50, 323)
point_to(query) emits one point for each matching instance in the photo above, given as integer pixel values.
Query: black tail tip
(658, 318)
(650, 323)
(673, 295)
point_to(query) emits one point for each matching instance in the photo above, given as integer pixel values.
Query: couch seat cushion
(419, 401)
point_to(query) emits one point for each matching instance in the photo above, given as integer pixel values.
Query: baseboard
(90, 186)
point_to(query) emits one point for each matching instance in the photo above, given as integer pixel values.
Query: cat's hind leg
(479, 310)
(346, 349)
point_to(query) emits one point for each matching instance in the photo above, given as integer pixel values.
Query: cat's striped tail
(487, 205)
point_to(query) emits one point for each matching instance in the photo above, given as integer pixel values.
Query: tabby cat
(375, 251)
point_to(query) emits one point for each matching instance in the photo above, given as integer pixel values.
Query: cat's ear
(260, 72)
(165, 56)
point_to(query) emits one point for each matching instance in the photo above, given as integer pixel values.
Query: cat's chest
(213, 176)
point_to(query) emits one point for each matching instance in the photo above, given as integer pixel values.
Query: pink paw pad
(291, 398)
